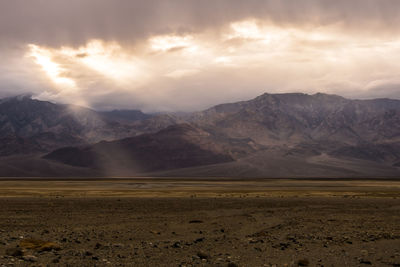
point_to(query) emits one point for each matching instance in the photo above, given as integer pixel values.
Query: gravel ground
(190, 231)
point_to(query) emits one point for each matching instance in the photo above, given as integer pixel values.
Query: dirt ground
(199, 223)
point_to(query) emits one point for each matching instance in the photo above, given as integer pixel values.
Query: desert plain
(199, 222)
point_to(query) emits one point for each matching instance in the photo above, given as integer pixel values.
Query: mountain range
(273, 135)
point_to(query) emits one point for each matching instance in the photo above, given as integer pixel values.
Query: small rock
(202, 255)
(367, 262)
(15, 252)
(30, 258)
(88, 253)
(176, 245)
(195, 221)
(303, 262)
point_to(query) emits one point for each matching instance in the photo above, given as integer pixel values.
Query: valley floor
(169, 222)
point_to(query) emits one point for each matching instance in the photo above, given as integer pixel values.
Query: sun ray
(53, 70)
(108, 59)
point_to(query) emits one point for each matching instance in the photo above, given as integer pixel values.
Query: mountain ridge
(293, 127)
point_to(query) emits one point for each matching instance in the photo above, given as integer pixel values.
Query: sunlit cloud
(189, 55)
(170, 42)
(248, 30)
(177, 74)
(97, 68)
(245, 57)
(108, 59)
(255, 31)
(224, 60)
(53, 70)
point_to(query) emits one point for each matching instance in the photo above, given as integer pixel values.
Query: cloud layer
(187, 55)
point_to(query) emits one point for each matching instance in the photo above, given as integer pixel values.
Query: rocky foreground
(190, 231)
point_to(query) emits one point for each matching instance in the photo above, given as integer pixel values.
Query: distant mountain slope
(292, 118)
(271, 135)
(125, 116)
(177, 146)
(269, 164)
(320, 123)
(31, 126)
(35, 166)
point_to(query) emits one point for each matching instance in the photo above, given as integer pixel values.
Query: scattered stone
(29, 258)
(202, 255)
(195, 257)
(88, 253)
(364, 252)
(201, 239)
(176, 245)
(284, 246)
(254, 241)
(303, 262)
(14, 252)
(366, 262)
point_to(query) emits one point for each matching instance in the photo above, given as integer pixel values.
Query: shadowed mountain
(125, 116)
(178, 146)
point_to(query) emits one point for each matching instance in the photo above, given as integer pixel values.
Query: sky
(187, 55)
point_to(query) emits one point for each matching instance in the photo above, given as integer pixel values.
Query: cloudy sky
(160, 55)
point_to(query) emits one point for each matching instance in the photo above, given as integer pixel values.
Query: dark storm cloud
(55, 22)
